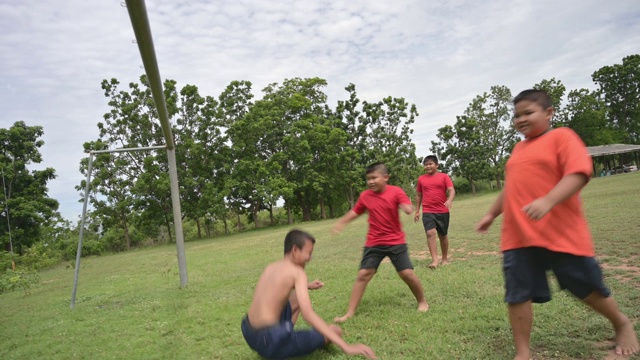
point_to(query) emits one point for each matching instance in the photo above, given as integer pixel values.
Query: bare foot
(626, 340)
(343, 318)
(433, 265)
(445, 262)
(423, 307)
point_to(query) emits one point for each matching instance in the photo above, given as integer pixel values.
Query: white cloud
(436, 54)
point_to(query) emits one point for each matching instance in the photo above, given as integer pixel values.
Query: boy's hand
(359, 349)
(538, 208)
(315, 284)
(448, 204)
(416, 216)
(484, 224)
(337, 228)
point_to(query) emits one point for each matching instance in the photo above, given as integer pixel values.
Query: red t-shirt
(534, 168)
(385, 228)
(434, 192)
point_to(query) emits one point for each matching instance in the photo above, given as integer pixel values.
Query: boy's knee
(365, 274)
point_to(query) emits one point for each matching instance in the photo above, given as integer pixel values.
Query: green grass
(130, 306)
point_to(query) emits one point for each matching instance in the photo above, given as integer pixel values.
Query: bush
(23, 279)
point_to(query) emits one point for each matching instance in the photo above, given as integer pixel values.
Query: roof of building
(611, 149)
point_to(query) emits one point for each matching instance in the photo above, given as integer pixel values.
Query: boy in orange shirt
(544, 227)
(384, 237)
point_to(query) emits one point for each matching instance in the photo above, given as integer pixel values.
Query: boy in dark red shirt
(435, 192)
(384, 238)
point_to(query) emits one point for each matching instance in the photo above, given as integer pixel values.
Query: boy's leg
(411, 279)
(521, 320)
(626, 338)
(399, 255)
(442, 227)
(433, 247)
(444, 246)
(364, 276)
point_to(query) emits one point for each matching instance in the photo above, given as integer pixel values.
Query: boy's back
(535, 167)
(272, 293)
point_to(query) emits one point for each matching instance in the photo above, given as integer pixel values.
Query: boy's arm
(416, 216)
(494, 211)
(407, 208)
(344, 220)
(310, 316)
(451, 193)
(564, 189)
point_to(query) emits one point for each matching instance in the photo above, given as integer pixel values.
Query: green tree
(620, 86)
(556, 91)
(27, 203)
(585, 113)
(461, 149)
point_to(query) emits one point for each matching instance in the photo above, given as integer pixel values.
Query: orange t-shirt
(534, 168)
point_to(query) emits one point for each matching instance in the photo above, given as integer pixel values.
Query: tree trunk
(306, 212)
(239, 225)
(198, 226)
(473, 187)
(271, 214)
(289, 216)
(498, 182)
(331, 212)
(127, 238)
(226, 226)
(207, 227)
(323, 213)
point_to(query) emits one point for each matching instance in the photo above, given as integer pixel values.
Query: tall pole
(140, 22)
(84, 214)
(6, 205)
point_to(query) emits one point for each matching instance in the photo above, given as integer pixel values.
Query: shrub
(23, 279)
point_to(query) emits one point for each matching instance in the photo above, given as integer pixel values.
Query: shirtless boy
(281, 294)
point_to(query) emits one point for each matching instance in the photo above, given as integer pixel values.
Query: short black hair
(430, 157)
(539, 97)
(296, 238)
(379, 167)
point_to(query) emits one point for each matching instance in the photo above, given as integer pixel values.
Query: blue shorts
(525, 274)
(280, 341)
(398, 254)
(438, 221)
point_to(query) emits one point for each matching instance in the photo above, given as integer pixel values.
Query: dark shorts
(525, 274)
(438, 221)
(399, 255)
(281, 341)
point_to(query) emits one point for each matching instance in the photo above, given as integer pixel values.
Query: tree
(462, 149)
(585, 113)
(620, 86)
(493, 112)
(26, 203)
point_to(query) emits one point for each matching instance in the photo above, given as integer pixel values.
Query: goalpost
(140, 22)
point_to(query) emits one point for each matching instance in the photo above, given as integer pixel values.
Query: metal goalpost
(140, 22)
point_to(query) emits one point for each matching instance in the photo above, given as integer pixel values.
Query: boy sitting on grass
(281, 294)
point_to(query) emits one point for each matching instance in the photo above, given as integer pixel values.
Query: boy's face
(531, 119)
(377, 181)
(303, 256)
(430, 167)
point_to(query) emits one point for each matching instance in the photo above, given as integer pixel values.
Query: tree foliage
(26, 203)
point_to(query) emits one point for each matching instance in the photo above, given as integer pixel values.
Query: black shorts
(525, 274)
(399, 255)
(438, 221)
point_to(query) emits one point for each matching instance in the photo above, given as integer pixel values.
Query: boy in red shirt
(544, 227)
(435, 193)
(384, 238)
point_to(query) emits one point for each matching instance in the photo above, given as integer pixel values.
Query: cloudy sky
(437, 54)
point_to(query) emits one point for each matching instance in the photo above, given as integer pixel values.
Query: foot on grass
(445, 262)
(626, 340)
(423, 307)
(433, 265)
(342, 318)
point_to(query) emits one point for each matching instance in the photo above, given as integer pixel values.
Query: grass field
(130, 306)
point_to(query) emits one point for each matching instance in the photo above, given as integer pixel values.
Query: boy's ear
(549, 112)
